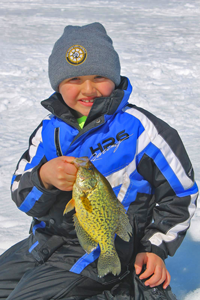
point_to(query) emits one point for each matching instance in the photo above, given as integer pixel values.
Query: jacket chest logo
(111, 142)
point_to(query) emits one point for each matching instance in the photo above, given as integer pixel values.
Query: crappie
(99, 216)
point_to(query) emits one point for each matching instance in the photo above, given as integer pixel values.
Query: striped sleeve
(26, 189)
(162, 160)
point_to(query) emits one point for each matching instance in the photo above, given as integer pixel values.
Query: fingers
(58, 172)
(139, 262)
(167, 280)
(157, 278)
(64, 182)
(150, 269)
(69, 168)
(68, 159)
(65, 174)
(156, 271)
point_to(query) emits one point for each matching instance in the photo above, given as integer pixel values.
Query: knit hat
(82, 51)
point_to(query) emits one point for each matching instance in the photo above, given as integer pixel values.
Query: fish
(98, 217)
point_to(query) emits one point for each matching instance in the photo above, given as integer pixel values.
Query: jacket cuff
(158, 251)
(153, 249)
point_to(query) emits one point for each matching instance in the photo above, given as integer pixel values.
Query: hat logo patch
(76, 55)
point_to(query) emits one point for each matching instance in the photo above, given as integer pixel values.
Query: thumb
(68, 159)
(139, 261)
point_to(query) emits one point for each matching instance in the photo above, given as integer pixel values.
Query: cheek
(69, 94)
(107, 89)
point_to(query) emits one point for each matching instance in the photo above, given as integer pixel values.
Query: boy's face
(79, 92)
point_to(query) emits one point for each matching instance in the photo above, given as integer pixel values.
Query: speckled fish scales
(99, 216)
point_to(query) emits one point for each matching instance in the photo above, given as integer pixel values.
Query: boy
(141, 156)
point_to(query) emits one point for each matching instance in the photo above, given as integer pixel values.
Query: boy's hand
(154, 266)
(59, 173)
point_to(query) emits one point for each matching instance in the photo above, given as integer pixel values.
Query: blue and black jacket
(142, 157)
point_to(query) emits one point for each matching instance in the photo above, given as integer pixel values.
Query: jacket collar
(102, 106)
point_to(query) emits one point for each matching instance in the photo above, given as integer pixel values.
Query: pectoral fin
(87, 243)
(70, 206)
(86, 203)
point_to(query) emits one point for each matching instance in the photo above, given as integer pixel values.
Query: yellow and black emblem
(76, 55)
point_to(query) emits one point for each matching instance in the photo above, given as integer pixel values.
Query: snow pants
(23, 278)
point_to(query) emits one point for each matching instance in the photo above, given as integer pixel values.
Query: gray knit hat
(81, 51)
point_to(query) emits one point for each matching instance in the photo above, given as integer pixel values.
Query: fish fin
(70, 206)
(86, 241)
(86, 203)
(108, 263)
(124, 229)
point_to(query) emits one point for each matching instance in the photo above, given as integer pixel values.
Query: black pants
(22, 278)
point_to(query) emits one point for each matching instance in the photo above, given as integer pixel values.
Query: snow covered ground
(159, 45)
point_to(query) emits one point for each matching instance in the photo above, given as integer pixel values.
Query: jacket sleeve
(26, 189)
(164, 163)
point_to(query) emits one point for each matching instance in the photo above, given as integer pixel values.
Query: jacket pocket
(42, 252)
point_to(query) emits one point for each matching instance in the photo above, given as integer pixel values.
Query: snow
(158, 42)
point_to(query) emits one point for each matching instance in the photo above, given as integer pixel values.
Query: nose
(88, 88)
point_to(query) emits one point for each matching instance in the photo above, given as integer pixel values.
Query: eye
(99, 77)
(74, 79)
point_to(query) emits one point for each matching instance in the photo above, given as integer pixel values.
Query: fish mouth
(80, 162)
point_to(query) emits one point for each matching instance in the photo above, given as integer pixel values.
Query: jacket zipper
(86, 130)
(57, 141)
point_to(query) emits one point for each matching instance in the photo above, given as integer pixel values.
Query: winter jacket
(142, 157)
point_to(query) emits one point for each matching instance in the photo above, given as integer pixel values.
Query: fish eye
(90, 168)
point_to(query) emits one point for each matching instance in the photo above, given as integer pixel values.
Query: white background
(159, 45)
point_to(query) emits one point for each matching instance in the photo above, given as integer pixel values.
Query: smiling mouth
(87, 101)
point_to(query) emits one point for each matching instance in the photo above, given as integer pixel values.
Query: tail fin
(108, 263)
